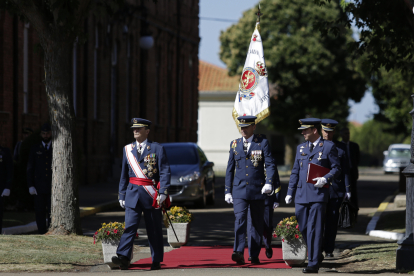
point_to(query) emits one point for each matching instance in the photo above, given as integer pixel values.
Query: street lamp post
(405, 250)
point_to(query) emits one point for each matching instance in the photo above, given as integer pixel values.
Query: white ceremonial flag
(253, 95)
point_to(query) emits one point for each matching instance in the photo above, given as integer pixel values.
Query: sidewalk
(93, 199)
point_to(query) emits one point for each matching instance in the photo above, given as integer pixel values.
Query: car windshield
(181, 155)
(400, 153)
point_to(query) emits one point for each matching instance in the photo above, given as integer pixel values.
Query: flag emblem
(248, 82)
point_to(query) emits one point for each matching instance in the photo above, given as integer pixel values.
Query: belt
(140, 181)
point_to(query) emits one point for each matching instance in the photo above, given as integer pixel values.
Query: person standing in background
(25, 133)
(353, 154)
(39, 178)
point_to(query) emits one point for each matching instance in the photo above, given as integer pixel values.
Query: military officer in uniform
(339, 190)
(271, 203)
(39, 178)
(145, 178)
(310, 199)
(6, 177)
(246, 186)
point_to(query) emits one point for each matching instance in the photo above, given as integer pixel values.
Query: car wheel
(202, 202)
(212, 197)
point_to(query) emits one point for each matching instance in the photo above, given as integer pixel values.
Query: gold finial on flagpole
(258, 14)
(258, 18)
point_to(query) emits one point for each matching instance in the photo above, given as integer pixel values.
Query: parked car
(192, 175)
(397, 156)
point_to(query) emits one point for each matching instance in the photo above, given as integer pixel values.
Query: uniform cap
(46, 127)
(309, 122)
(328, 124)
(138, 122)
(245, 121)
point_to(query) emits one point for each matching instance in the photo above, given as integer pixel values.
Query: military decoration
(233, 146)
(150, 162)
(256, 157)
(320, 144)
(148, 147)
(320, 154)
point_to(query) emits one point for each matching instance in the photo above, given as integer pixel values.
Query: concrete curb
(84, 212)
(373, 222)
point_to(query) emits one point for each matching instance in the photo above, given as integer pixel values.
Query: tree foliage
(313, 74)
(373, 138)
(386, 31)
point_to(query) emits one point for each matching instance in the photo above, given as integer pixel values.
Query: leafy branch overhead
(310, 74)
(385, 31)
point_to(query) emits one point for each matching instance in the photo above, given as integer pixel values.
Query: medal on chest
(150, 162)
(256, 157)
(320, 154)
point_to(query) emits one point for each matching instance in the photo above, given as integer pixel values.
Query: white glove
(32, 191)
(6, 192)
(161, 198)
(347, 196)
(267, 188)
(228, 198)
(122, 203)
(320, 181)
(275, 205)
(288, 199)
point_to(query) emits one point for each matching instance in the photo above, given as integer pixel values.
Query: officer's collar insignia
(320, 144)
(133, 145)
(148, 147)
(135, 121)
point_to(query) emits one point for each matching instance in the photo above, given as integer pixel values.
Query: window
(203, 158)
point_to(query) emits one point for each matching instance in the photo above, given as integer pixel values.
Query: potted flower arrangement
(110, 235)
(180, 219)
(293, 246)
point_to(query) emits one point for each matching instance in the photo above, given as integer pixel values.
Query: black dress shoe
(309, 269)
(155, 266)
(269, 253)
(121, 261)
(329, 255)
(255, 260)
(249, 259)
(238, 257)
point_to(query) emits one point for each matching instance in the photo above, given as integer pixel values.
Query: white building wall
(216, 129)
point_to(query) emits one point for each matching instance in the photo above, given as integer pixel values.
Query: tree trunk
(65, 204)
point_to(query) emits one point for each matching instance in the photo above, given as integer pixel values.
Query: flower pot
(183, 234)
(109, 250)
(294, 251)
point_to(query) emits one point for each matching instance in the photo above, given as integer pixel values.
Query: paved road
(214, 224)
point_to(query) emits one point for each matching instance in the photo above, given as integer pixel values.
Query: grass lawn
(34, 253)
(369, 258)
(17, 218)
(393, 221)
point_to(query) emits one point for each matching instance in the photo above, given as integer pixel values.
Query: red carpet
(210, 257)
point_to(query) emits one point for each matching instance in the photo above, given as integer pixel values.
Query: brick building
(114, 79)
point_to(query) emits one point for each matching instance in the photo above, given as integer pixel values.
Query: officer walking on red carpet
(246, 186)
(311, 199)
(339, 190)
(144, 163)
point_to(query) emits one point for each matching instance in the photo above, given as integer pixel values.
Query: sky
(231, 11)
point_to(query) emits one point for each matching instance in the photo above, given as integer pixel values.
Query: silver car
(397, 156)
(192, 175)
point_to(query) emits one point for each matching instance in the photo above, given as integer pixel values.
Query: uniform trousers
(153, 223)
(311, 218)
(241, 210)
(267, 227)
(331, 224)
(42, 204)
